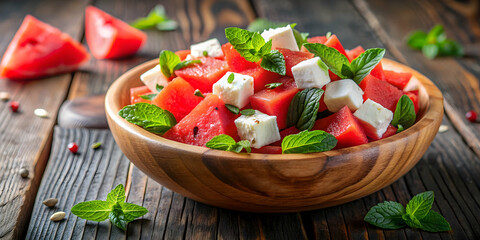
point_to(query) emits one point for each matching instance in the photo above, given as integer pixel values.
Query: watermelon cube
(261, 77)
(317, 39)
(275, 102)
(397, 79)
(344, 127)
(235, 61)
(268, 150)
(413, 95)
(354, 53)
(207, 120)
(293, 58)
(182, 54)
(380, 92)
(177, 97)
(202, 76)
(333, 42)
(136, 92)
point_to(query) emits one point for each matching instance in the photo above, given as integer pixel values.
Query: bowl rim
(433, 109)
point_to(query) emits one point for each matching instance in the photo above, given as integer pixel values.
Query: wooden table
(450, 168)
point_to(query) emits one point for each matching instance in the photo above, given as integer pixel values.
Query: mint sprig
(114, 208)
(253, 48)
(417, 214)
(156, 18)
(148, 116)
(434, 43)
(404, 116)
(227, 143)
(308, 142)
(303, 108)
(338, 63)
(170, 62)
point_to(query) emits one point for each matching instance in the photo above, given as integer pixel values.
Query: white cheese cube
(237, 92)
(308, 74)
(212, 47)
(260, 129)
(374, 118)
(153, 77)
(281, 38)
(342, 93)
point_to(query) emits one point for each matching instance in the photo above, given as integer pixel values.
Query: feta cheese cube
(308, 74)
(153, 77)
(237, 92)
(343, 92)
(260, 129)
(212, 47)
(281, 38)
(374, 118)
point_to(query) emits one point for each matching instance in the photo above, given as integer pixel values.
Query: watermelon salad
(273, 91)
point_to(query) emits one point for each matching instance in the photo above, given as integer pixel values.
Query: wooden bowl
(273, 182)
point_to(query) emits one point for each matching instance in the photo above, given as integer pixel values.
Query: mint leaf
(227, 143)
(274, 62)
(247, 112)
(420, 205)
(347, 71)
(232, 109)
(436, 35)
(149, 97)
(450, 48)
(308, 142)
(149, 117)
(417, 39)
(303, 108)
(117, 217)
(404, 115)
(365, 62)
(434, 222)
(386, 215)
(95, 210)
(261, 24)
(132, 211)
(159, 88)
(230, 78)
(411, 221)
(117, 195)
(186, 63)
(273, 85)
(156, 18)
(167, 25)
(198, 93)
(300, 38)
(330, 56)
(430, 50)
(168, 61)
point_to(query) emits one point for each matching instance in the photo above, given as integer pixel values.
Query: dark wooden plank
(25, 139)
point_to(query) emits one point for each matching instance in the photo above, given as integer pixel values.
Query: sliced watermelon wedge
(39, 50)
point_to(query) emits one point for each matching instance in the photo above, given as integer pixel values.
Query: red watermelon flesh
(261, 77)
(293, 58)
(275, 102)
(354, 53)
(323, 106)
(39, 50)
(413, 95)
(268, 150)
(284, 133)
(177, 97)
(317, 39)
(202, 76)
(207, 120)
(391, 130)
(344, 127)
(380, 92)
(398, 79)
(235, 61)
(182, 54)
(136, 92)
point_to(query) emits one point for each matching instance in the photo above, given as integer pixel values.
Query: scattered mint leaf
(96, 210)
(420, 205)
(417, 214)
(365, 62)
(149, 117)
(330, 56)
(404, 116)
(156, 18)
(434, 43)
(168, 61)
(386, 215)
(198, 93)
(117, 195)
(186, 63)
(232, 108)
(430, 50)
(273, 85)
(230, 78)
(149, 97)
(434, 222)
(274, 62)
(417, 39)
(115, 208)
(436, 34)
(450, 48)
(227, 143)
(308, 142)
(247, 112)
(303, 108)
(159, 88)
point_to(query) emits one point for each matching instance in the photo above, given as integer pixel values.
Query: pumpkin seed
(51, 202)
(57, 216)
